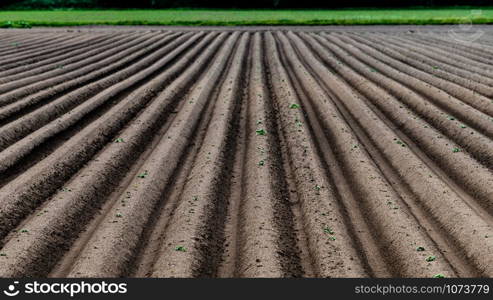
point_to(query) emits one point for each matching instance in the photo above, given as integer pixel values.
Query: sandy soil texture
(166, 152)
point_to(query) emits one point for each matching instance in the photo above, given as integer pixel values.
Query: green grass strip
(202, 17)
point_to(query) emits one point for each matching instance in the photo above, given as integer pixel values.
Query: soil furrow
(146, 191)
(14, 131)
(440, 149)
(60, 61)
(16, 90)
(449, 57)
(246, 152)
(456, 222)
(39, 54)
(455, 107)
(382, 206)
(446, 71)
(83, 146)
(317, 195)
(81, 87)
(470, 97)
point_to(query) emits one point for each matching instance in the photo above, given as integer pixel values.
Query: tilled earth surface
(296, 152)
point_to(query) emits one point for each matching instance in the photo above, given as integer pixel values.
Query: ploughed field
(249, 153)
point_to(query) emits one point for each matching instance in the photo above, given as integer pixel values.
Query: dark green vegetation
(37, 4)
(186, 17)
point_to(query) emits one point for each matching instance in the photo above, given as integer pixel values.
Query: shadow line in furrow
(107, 194)
(358, 176)
(22, 137)
(37, 55)
(20, 41)
(19, 160)
(85, 42)
(451, 251)
(91, 186)
(65, 267)
(455, 107)
(82, 64)
(320, 210)
(424, 136)
(435, 60)
(445, 71)
(22, 51)
(30, 191)
(89, 43)
(145, 193)
(46, 44)
(469, 97)
(87, 84)
(426, 241)
(467, 52)
(198, 221)
(447, 57)
(62, 61)
(46, 41)
(147, 251)
(158, 229)
(78, 89)
(432, 192)
(438, 149)
(15, 91)
(311, 95)
(264, 238)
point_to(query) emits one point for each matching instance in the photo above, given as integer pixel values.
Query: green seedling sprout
(180, 249)
(143, 175)
(261, 132)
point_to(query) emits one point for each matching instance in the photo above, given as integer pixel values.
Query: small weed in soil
(455, 150)
(294, 105)
(261, 132)
(328, 230)
(119, 215)
(143, 175)
(261, 163)
(400, 143)
(438, 276)
(119, 140)
(431, 258)
(180, 248)
(3, 254)
(420, 249)
(24, 230)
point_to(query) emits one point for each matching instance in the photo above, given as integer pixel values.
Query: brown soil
(245, 152)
